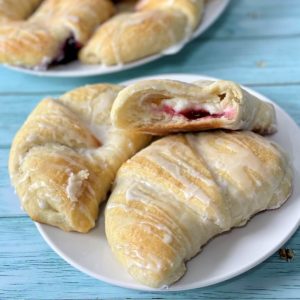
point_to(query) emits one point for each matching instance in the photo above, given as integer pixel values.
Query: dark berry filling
(190, 113)
(69, 52)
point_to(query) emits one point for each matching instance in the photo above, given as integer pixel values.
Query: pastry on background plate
(64, 158)
(153, 27)
(172, 197)
(166, 106)
(53, 34)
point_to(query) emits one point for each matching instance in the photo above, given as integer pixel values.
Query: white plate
(213, 9)
(226, 256)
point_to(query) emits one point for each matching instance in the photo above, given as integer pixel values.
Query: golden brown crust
(179, 192)
(64, 158)
(28, 46)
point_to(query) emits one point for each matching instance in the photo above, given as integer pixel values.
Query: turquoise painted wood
(256, 43)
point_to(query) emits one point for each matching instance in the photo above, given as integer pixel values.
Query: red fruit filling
(69, 52)
(190, 113)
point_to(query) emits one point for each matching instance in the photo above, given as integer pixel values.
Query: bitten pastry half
(154, 27)
(165, 106)
(54, 34)
(172, 197)
(64, 158)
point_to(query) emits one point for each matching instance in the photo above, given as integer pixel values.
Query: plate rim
(223, 4)
(220, 279)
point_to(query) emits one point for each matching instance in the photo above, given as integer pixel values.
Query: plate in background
(213, 10)
(226, 256)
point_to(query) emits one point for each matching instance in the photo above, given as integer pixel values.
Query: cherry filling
(69, 52)
(190, 113)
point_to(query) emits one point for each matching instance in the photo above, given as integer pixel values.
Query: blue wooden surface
(256, 43)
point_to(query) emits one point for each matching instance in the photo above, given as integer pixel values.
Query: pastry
(16, 10)
(164, 106)
(37, 34)
(64, 158)
(130, 36)
(53, 34)
(155, 26)
(175, 195)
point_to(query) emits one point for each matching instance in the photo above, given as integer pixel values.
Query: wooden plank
(247, 61)
(248, 19)
(9, 202)
(31, 270)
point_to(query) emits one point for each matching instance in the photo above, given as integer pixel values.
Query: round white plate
(224, 257)
(213, 9)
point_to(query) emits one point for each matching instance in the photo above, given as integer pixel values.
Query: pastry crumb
(286, 253)
(261, 64)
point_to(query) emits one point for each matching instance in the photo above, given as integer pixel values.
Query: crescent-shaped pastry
(16, 10)
(164, 106)
(64, 158)
(130, 36)
(53, 34)
(174, 196)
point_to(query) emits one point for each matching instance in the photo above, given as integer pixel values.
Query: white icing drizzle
(191, 190)
(74, 185)
(151, 221)
(150, 263)
(145, 193)
(33, 187)
(234, 161)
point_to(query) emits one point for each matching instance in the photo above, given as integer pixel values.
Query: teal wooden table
(256, 43)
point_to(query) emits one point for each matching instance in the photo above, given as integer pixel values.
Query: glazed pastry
(172, 197)
(26, 45)
(64, 158)
(164, 106)
(191, 8)
(155, 26)
(131, 36)
(53, 34)
(69, 19)
(125, 6)
(16, 10)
